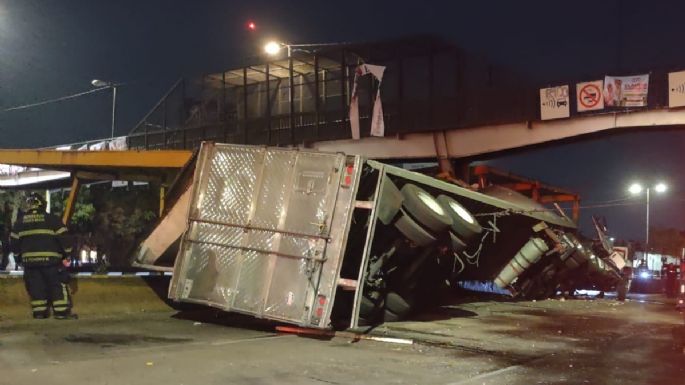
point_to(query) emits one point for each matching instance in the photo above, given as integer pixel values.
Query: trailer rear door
(258, 227)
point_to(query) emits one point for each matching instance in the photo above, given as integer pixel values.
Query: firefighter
(42, 242)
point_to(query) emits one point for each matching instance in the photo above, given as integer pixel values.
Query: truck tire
(370, 310)
(457, 244)
(396, 304)
(389, 316)
(366, 308)
(622, 290)
(464, 224)
(425, 208)
(363, 322)
(413, 231)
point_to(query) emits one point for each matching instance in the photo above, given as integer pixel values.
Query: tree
(122, 217)
(112, 219)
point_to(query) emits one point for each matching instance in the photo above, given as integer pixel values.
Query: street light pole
(636, 189)
(114, 112)
(647, 235)
(104, 84)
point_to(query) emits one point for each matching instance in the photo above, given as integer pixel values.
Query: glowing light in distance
(272, 48)
(635, 188)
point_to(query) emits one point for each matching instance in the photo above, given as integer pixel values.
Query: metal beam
(150, 176)
(54, 159)
(245, 110)
(443, 155)
(474, 141)
(520, 186)
(268, 105)
(71, 201)
(288, 68)
(162, 198)
(317, 104)
(558, 198)
(291, 100)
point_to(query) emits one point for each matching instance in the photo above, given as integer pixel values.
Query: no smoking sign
(589, 96)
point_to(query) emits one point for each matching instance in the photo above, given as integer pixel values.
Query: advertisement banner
(676, 89)
(554, 103)
(626, 91)
(589, 96)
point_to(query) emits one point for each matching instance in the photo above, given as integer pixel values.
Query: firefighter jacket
(40, 239)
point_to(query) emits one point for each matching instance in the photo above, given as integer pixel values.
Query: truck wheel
(366, 308)
(389, 316)
(397, 304)
(622, 290)
(424, 208)
(413, 231)
(457, 244)
(370, 311)
(464, 224)
(363, 322)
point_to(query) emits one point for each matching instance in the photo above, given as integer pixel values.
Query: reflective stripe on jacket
(40, 238)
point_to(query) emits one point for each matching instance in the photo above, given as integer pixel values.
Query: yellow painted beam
(48, 159)
(162, 198)
(71, 201)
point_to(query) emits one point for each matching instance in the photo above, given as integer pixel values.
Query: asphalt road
(484, 342)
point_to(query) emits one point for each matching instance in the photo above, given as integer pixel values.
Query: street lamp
(102, 84)
(636, 189)
(272, 48)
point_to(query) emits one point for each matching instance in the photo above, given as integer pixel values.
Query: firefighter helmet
(35, 201)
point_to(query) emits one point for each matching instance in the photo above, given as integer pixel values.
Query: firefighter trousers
(47, 287)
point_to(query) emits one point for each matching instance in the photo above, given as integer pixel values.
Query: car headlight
(644, 274)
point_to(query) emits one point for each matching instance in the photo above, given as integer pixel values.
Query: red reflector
(319, 312)
(348, 180)
(349, 169)
(322, 301)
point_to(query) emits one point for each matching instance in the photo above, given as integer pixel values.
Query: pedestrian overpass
(439, 104)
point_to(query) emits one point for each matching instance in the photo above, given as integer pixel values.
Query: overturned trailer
(333, 240)
(581, 263)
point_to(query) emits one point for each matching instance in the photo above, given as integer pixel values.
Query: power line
(623, 199)
(545, 209)
(56, 100)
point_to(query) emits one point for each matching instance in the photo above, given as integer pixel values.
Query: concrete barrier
(93, 296)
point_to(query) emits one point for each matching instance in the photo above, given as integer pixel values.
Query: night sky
(54, 48)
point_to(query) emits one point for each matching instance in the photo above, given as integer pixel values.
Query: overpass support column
(162, 199)
(71, 201)
(443, 154)
(575, 211)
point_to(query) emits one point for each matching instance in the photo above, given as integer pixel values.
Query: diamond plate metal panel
(289, 288)
(252, 281)
(210, 274)
(258, 232)
(231, 179)
(295, 279)
(302, 246)
(216, 234)
(274, 189)
(311, 203)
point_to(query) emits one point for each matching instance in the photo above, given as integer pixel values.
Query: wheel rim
(431, 203)
(463, 214)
